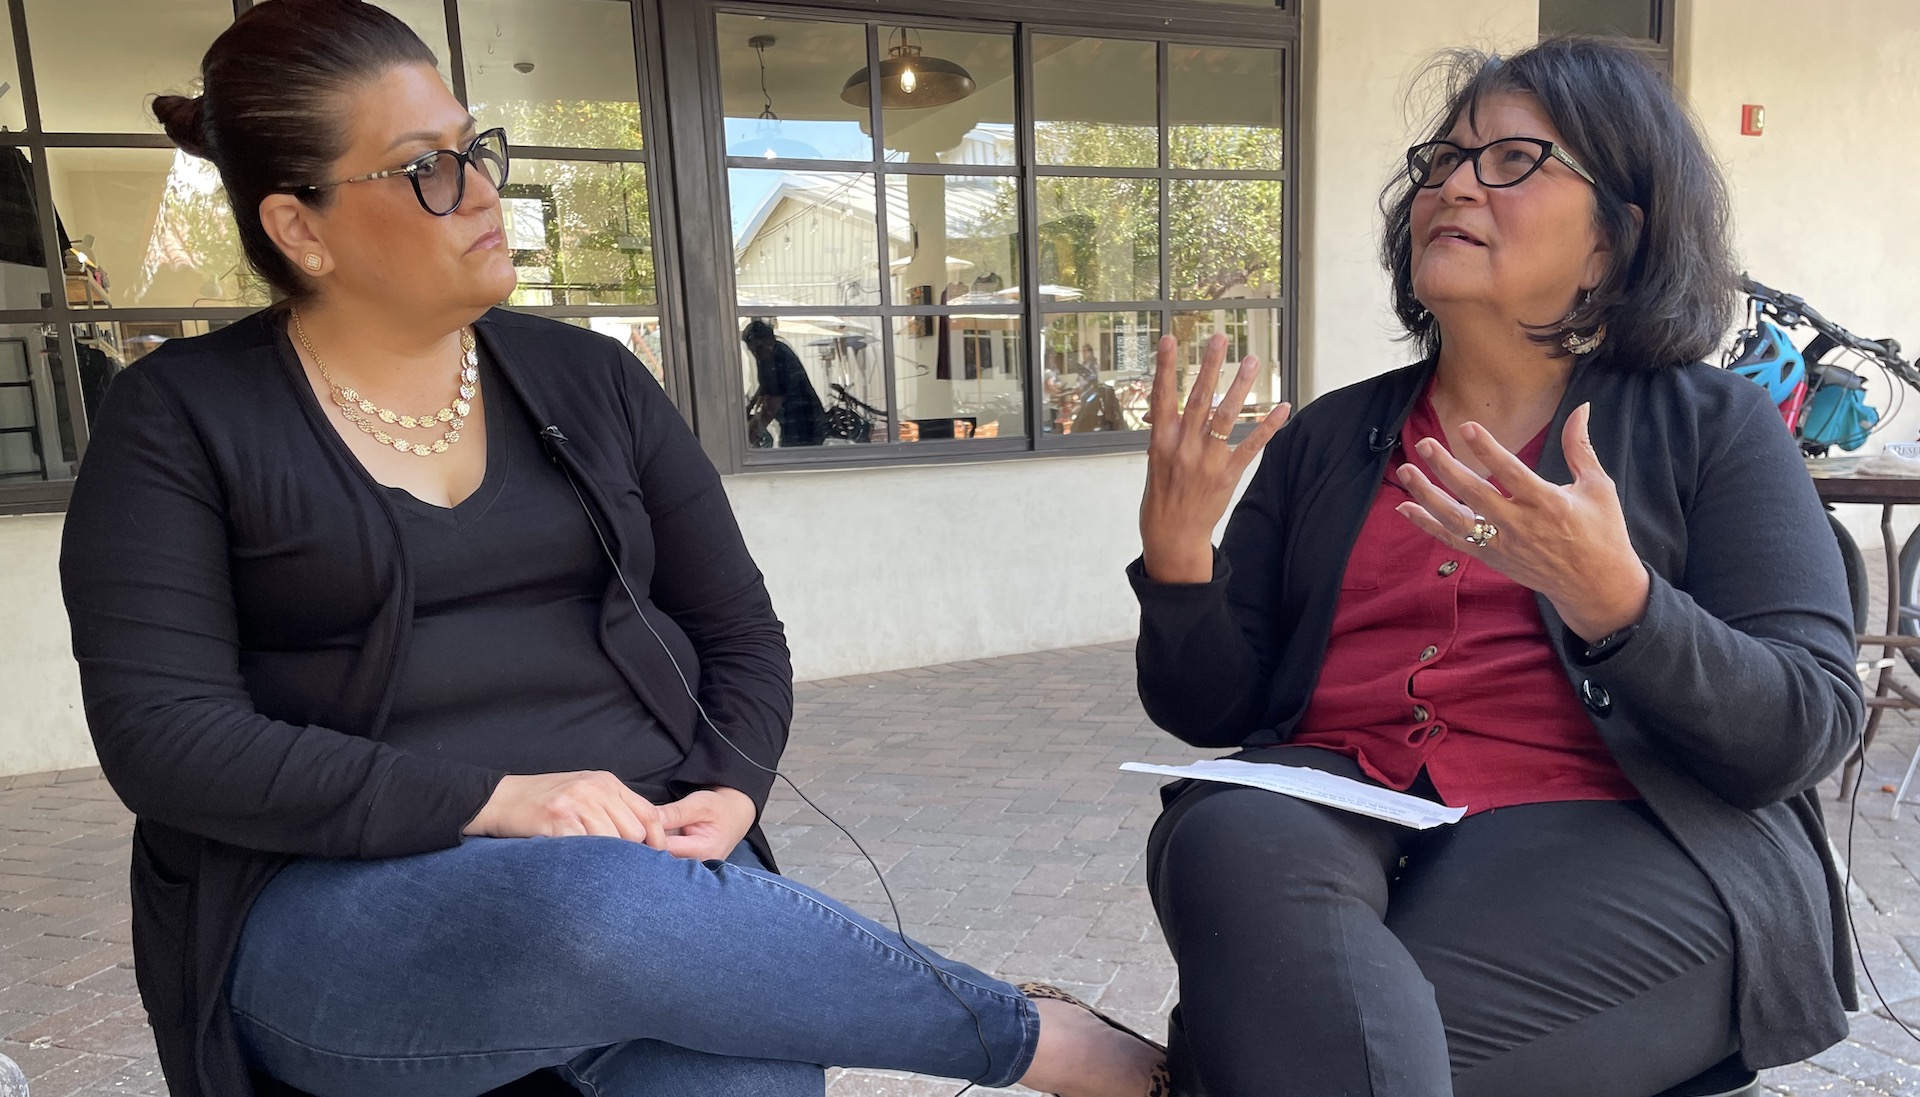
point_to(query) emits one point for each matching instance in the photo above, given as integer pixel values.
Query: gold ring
(1211, 433)
(1482, 532)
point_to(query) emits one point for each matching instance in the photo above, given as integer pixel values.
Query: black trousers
(1566, 948)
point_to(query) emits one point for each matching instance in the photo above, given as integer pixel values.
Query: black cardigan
(1734, 697)
(211, 469)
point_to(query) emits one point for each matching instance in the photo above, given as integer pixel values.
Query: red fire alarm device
(1753, 120)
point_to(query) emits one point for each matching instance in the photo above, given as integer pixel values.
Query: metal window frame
(1658, 50)
(35, 141)
(702, 168)
(738, 456)
(666, 307)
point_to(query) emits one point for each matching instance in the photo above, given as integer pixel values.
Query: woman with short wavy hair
(1559, 573)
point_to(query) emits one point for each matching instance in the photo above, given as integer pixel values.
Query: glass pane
(804, 238)
(101, 350)
(1248, 331)
(1099, 370)
(428, 18)
(20, 456)
(1099, 239)
(1224, 108)
(15, 359)
(951, 102)
(554, 72)
(953, 239)
(137, 339)
(16, 404)
(23, 250)
(1628, 18)
(1094, 102)
(639, 334)
(13, 108)
(579, 233)
(957, 375)
(36, 439)
(780, 84)
(98, 64)
(1225, 237)
(813, 381)
(150, 228)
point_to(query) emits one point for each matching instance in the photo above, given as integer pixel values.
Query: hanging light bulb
(767, 142)
(924, 81)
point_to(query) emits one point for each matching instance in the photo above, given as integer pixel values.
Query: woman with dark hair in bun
(422, 643)
(1561, 574)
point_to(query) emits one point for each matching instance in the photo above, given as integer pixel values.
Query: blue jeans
(629, 971)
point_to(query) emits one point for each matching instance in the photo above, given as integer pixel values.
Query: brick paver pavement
(986, 790)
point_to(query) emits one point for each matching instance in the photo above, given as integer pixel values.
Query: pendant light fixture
(766, 142)
(910, 78)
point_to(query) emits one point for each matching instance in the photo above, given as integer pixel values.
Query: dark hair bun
(275, 81)
(185, 122)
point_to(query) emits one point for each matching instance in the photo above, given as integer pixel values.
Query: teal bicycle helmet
(1771, 360)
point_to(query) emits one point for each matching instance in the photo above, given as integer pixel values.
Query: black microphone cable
(554, 439)
(1846, 895)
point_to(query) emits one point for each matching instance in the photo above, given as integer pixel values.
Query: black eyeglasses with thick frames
(440, 177)
(1507, 162)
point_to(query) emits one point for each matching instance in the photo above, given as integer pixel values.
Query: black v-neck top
(506, 668)
(243, 608)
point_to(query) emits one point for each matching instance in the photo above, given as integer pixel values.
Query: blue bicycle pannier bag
(1838, 416)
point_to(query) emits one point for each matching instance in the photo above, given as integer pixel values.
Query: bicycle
(1795, 377)
(852, 419)
(1134, 390)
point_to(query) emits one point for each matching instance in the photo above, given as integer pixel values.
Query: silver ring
(1482, 532)
(1211, 433)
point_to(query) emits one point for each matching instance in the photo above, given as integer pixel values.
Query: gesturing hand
(1568, 543)
(1191, 468)
(706, 825)
(559, 805)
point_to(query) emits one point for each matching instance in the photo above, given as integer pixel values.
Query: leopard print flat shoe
(1159, 1082)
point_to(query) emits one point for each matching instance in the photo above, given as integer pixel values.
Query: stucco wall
(885, 568)
(1355, 131)
(1824, 201)
(41, 726)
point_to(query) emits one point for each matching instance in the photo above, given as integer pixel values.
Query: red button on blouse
(1439, 661)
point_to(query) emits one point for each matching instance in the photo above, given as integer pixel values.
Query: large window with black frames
(968, 236)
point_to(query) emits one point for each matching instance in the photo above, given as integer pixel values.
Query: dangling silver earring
(1576, 343)
(1585, 344)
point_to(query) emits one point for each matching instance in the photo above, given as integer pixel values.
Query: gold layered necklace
(368, 416)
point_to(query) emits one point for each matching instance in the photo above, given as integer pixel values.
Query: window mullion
(1162, 59)
(456, 53)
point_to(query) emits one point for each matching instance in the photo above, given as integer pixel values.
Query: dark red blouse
(1439, 661)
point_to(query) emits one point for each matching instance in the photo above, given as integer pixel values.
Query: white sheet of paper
(1316, 786)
